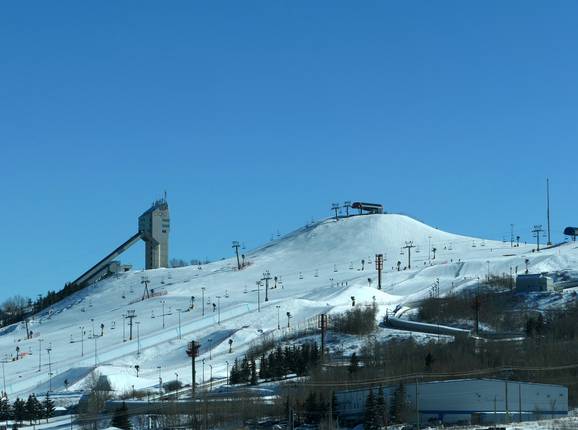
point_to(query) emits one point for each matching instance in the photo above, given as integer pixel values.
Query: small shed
(534, 283)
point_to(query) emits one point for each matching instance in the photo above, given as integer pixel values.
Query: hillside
(318, 268)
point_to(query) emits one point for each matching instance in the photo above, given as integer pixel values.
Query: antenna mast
(548, 208)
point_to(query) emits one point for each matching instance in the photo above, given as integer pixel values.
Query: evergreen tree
(19, 410)
(263, 368)
(245, 373)
(381, 409)
(253, 380)
(120, 418)
(4, 409)
(48, 407)
(369, 414)
(353, 363)
(235, 373)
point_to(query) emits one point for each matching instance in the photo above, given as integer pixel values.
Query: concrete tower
(153, 226)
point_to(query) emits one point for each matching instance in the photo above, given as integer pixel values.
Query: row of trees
(277, 364)
(359, 320)
(31, 410)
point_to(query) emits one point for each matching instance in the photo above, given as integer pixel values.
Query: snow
(327, 248)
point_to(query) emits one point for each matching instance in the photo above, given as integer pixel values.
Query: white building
(468, 401)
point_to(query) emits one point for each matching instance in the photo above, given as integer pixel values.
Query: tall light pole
(211, 377)
(137, 337)
(210, 348)
(177, 379)
(92, 322)
(160, 383)
(48, 350)
(39, 355)
(278, 317)
(124, 327)
(163, 303)
(180, 334)
(548, 209)
(4, 376)
(227, 372)
(203, 299)
(429, 248)
(82, 341)
(258, 296)
(219, 310)
(95, 352)
(203, 371)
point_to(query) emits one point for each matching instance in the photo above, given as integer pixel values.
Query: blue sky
(255, 116)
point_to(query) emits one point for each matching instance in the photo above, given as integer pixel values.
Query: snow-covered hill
(318, 268)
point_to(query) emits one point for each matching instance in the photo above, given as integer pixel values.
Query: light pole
(203, 371)
(288, 319)
(177, 385)
(211, 378)
(219, 310)
(429, 248)
(180, 334)
(160, 383)
(163, 303)
(95, 353)
(227, 372)
(92, 322)
(48, 350)
(4, 377)
(488, 262)
(278, 317)
(82, 341)
(124, 327)
(203, 299)
(39, 356)
(258, 296)
(210, 348)
(137, 337)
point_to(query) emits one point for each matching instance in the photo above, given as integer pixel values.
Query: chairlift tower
(408, 246)
(536, 231)
(335, 207)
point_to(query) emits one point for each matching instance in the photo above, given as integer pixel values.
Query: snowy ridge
(318, 268)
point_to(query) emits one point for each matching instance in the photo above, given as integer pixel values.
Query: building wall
(154, 225)
(458, 400)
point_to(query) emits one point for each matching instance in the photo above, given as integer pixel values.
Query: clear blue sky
(256, 116)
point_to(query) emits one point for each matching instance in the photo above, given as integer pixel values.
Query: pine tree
(4, 409)
(235, 374)
(253, 380)
(311, 408)
(19, 410)
(381, 409)
(245, 373)
(48, 407)
(120, 418)
(398, 404)
(369, 415)
(263, 368)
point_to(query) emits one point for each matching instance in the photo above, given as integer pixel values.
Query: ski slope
(318, 269)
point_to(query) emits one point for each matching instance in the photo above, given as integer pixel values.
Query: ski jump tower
(153, 226)
(153, 229)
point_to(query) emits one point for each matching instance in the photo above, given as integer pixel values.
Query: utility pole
(548, 209)
(347, 205)
(537, 230)
(48, 350)
(278, 317)
(203, 299)
(194, 350)
(266, 277)
(408, 246)
(379, 267)
(130, 314)
(39, 356)
(236, 246)
(323, 327)
(335, 207)
(511, 235)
